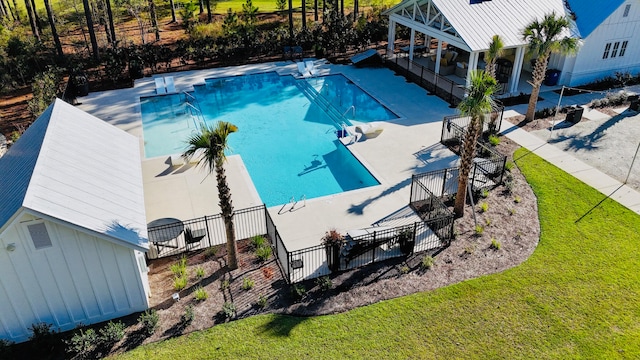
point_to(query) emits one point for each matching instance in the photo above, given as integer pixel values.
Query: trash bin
(574, 114)
(634, 103)
(551, 77)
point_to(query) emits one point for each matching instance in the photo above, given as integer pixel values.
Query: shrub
(495, 244)
(484, 207)
(41, 332)
(517, 199)
(298, 291)
(508, 185)
(149, 320)
(263, 253)
(112, 332)
(247, 284)
(224, 284)
(427, 262)
(404, 269)
(178, 269)
(228, 309)
(494, 140)
(199, 272)
(201, 294)
(332, 237)
(509, 165)
(487, 221)
(324, 283)
(188, 316)
(512, 211)
(258, 241)
(211, 252)
(82, 342)
(179, 283)
(479, 229)
(484, 193)
(5, 347)
(262, 301)
(469, 250)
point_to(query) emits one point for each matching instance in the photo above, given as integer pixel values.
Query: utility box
(634, 102)
(574, 114)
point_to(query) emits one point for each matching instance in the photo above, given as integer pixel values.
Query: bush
(484, 193)
(264, 253)
(224, 285)
(82, 342)
(247, 284)
(509, 165)
(179, 283)
(262, 301)
(229, 310)
(404, 269)
(487, 221)
(495, 244)
(201, 294)
(199, 272)
(188, 316)
(179, 269)
(41, 332)
(484, 207)
(112, 332)
(298, 291)
(479, 229)
(324, 283)
(258, 241)
(512, 211)
(494, 140)
(517, 199)
(5, 347)
(149, 320)
(211, 252)
(427, 262)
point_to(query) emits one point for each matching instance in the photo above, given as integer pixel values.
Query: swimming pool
(286, 141)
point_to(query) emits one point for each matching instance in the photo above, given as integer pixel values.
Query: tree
(290, 19)
(546, 37)
(32, 19)
(112, 29)
(281, 5)
(249, 13)
(209, 144)
(45, 89)
(54, 32)
(92, 32)
(154, 19)
(492, 54)
(476, 104)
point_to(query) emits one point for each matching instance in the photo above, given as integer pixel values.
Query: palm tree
(492, 54)
(479, 101)
(546, 37)
(210, 143)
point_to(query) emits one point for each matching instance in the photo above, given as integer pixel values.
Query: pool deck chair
(302, 69)
(311, 67)
(369, 130)
(348, 135)
(160, 89)
(171, 86)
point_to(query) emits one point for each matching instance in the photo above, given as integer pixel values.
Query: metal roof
(588, 18)
(74, 167)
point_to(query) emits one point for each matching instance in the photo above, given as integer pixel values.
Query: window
(626, 11)
(39, 236)
(615, 49)
(606, 51)
(623, 48)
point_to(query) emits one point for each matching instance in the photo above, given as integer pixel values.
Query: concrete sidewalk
(591, 176)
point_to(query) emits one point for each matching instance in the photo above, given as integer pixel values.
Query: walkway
(591, 176)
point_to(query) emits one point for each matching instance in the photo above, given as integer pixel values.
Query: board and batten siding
(589, 65)
(79, 279)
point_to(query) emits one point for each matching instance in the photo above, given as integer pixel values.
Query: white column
(517, 69)
(412, 43)
(438, 56)
(473, 64)
(391, 37)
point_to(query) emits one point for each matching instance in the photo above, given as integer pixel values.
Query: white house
(607, 30)
(72, 224)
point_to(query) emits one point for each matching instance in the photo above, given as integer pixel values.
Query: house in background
(73, 231)
(608, 31)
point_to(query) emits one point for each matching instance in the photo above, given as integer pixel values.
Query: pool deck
(408, 145)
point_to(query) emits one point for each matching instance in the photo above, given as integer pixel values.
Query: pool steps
(317, 98)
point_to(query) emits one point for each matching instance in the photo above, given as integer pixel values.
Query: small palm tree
(546, 37)
(492, 54)
(478, 102)
(210, 143)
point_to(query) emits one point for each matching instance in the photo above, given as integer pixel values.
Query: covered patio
(450, 37)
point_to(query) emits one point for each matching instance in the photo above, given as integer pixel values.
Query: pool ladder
(351, 108)
(189, 101)
(293, 203)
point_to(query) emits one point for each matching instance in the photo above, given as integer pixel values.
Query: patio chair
(286, 52)
(302, 69)
(171, 86)
(297, 51)
(192, 237)
(311, 67)
(160, 89)
(370, 130)
(348, 134)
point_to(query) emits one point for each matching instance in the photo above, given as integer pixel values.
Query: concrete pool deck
(408, 145)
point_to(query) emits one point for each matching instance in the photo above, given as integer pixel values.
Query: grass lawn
(577, 296)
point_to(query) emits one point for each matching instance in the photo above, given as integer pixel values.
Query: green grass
(577, 296)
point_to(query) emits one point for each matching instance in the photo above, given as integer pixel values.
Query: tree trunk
(315, 10)
(291, 19)
(342, 8)
(201, 3)
(112, 28)
(35, 16)
(466, 162)
(173, 11)
(226, 208)
(208, 10)
(10, 11)
(54, 32)
(355, 10)
(538, 77)
(32, 19)
(304, 14)
(92, 32)
(154, 19)
(3, 10)
(324, 9)
(16, 12)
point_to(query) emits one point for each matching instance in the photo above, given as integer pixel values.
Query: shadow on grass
(281, 325)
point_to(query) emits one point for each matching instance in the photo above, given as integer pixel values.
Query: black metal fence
(453, 126)
(436, 84)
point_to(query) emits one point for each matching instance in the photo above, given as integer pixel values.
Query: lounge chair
(369, 130)
(311, 67)
(160, 89)
(348, 134)
(171, 86)
(302, 69)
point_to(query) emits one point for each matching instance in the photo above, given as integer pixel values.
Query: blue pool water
(286, 141)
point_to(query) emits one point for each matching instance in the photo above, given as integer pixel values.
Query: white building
(606, 29)
(72, 224)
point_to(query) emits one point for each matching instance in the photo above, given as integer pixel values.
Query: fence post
(411, 198)
(206, 225)
(421, 74)
(444, 182)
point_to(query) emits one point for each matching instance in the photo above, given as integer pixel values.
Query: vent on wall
(39, 236)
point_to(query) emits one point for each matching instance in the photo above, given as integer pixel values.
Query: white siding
(590, 65)
(79, 279)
